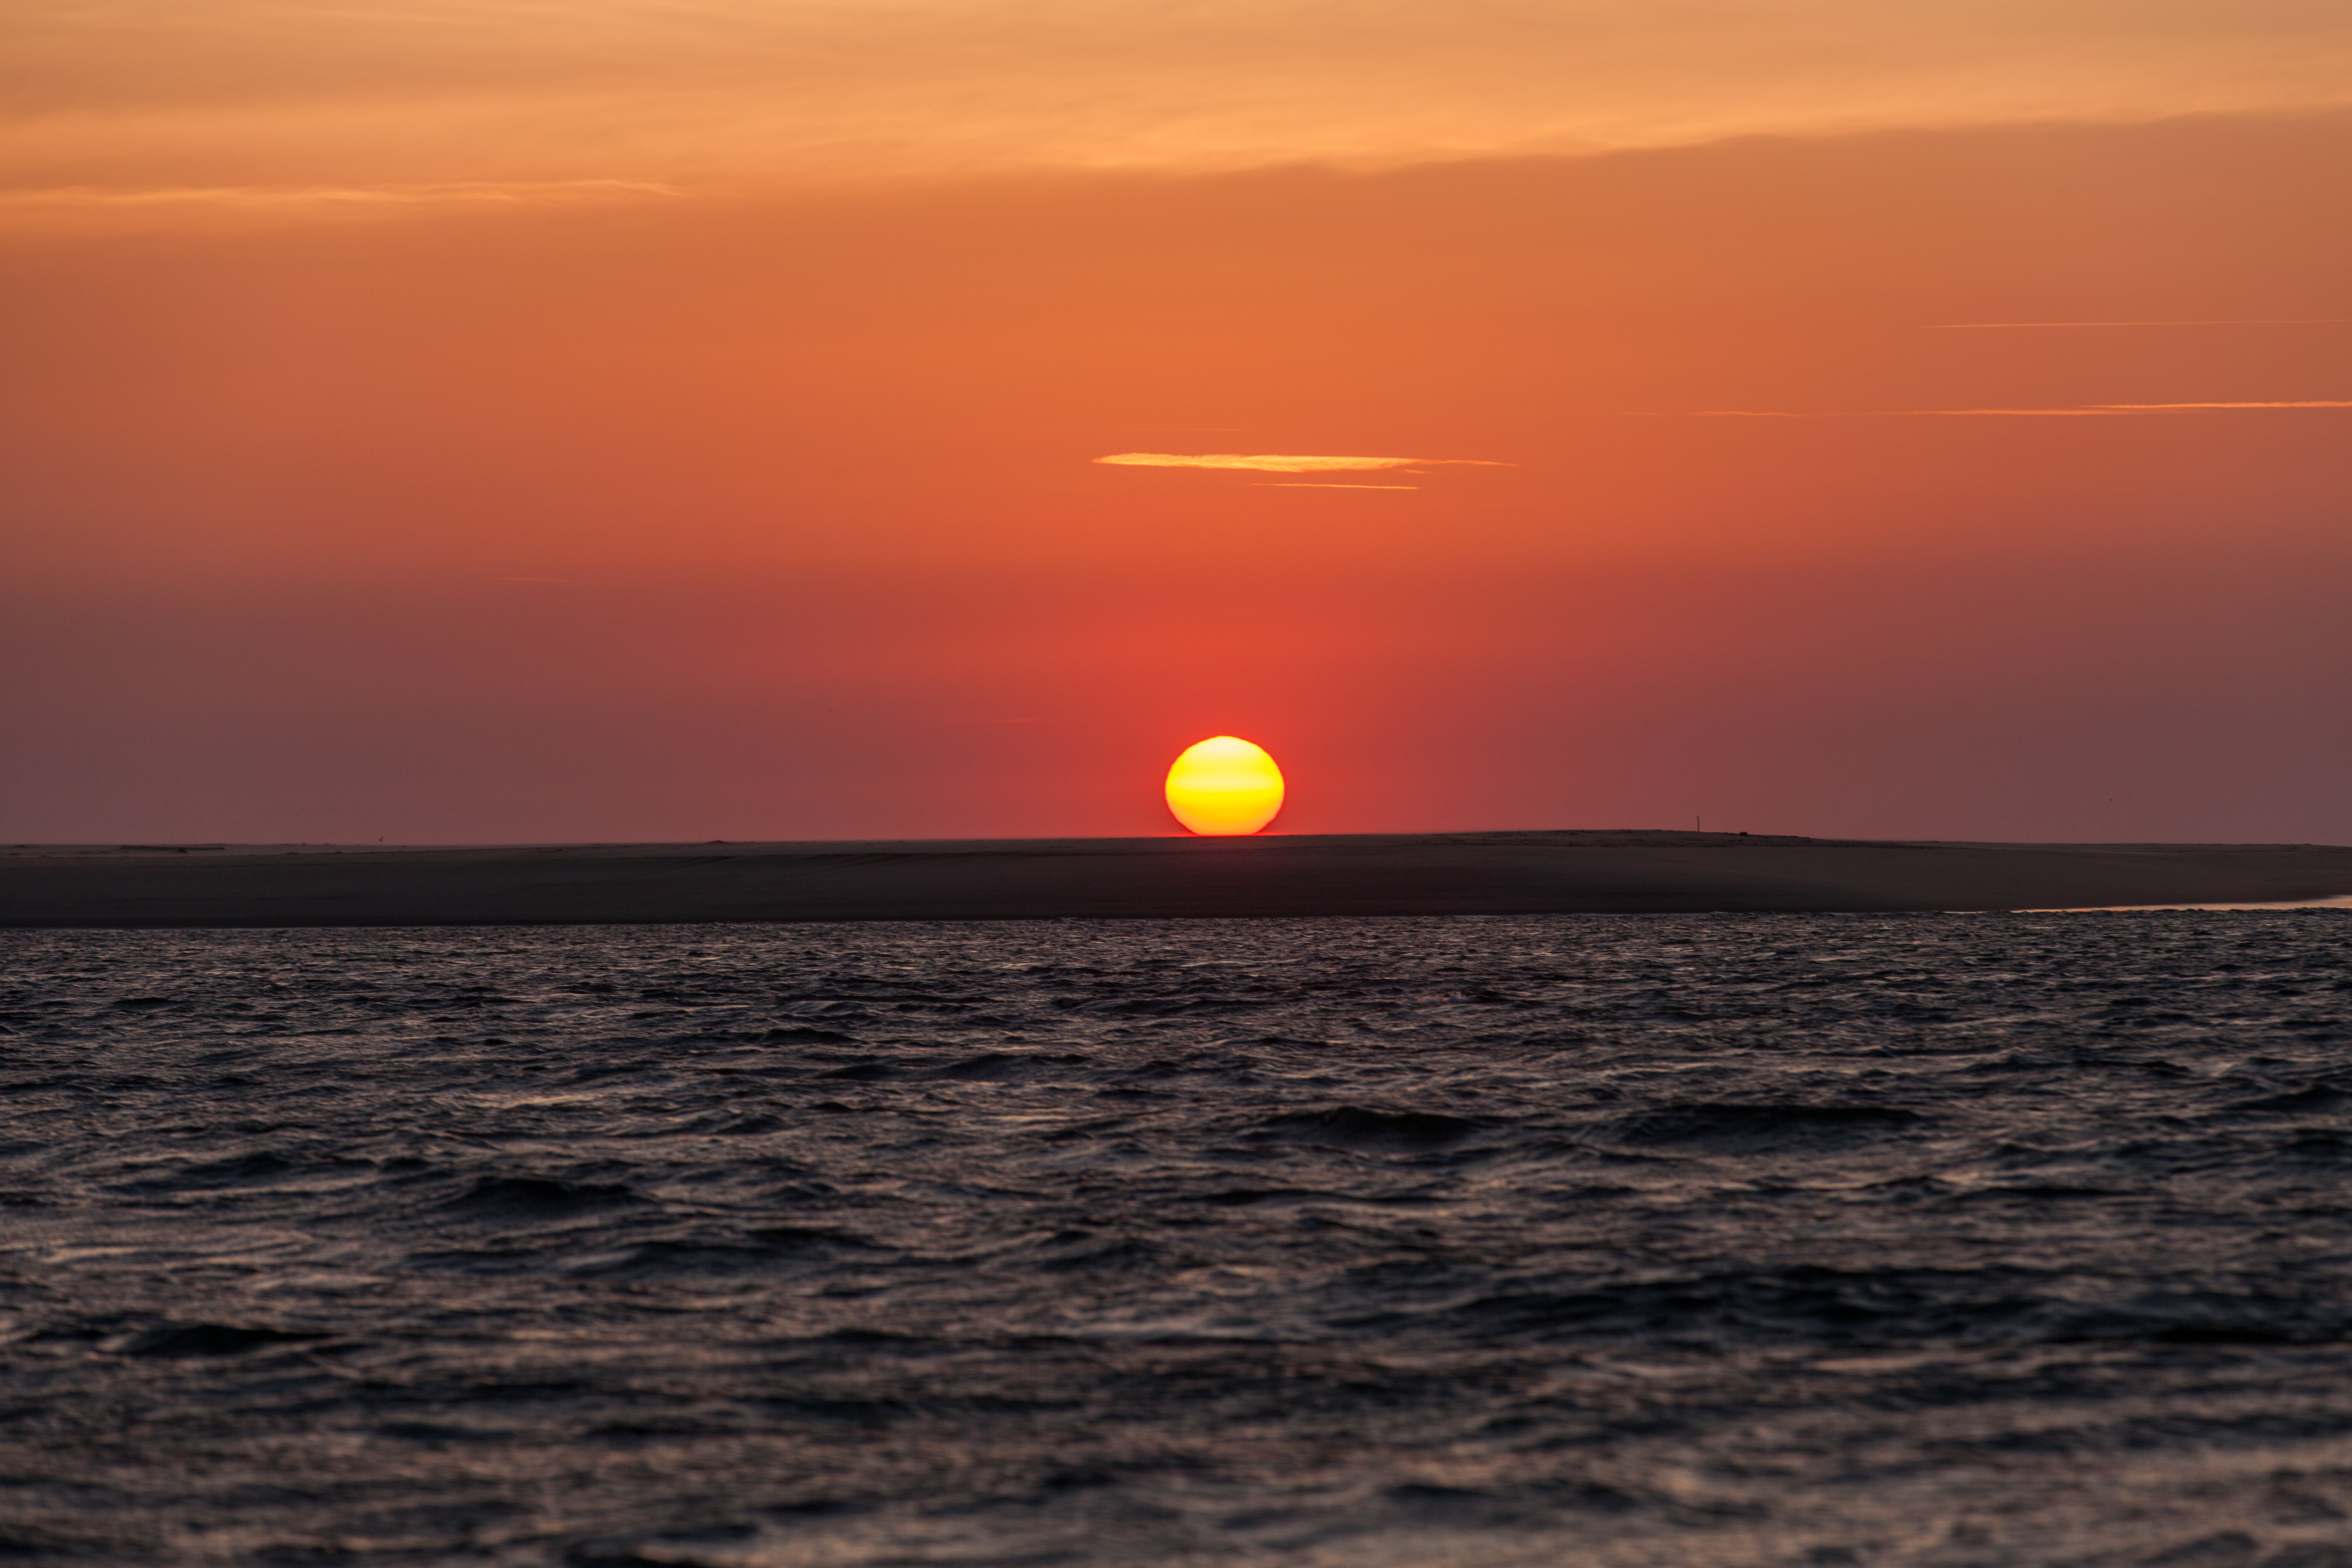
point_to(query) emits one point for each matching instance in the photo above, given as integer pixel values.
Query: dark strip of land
(1034, 879)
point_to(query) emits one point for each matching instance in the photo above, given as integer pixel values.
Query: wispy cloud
(1279, 463)
(1905, 414)
(2163, 407)
(750, 89)
(275, 198)
(2087, 410)
(1309, 485)
(2216, 321)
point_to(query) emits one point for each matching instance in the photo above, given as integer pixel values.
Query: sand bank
(1388, 874)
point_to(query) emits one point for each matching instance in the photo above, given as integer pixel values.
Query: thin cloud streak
(2164, 407)
(85, 205)
(2216, 321)
(277, 196)
(1910, 414)
(1281, 463)
(1309, 485)
(2090, 411)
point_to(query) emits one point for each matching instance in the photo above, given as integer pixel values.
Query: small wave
(531, 1199)
(167, 1340)
(1759, 1128)
(1353, 1126)
(764, 1251)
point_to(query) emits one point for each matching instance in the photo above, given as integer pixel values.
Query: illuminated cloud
(1309, 485)
(731, 92)
(1278, 463)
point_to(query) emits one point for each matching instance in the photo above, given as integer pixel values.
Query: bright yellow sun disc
(1224, 786)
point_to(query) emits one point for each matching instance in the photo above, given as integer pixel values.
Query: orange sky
(490, 423)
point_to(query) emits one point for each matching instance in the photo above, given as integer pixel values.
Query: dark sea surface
(1691, 1240)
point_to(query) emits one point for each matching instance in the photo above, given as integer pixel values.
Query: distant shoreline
(1534, 872)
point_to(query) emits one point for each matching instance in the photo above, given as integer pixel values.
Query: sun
(1224, 786)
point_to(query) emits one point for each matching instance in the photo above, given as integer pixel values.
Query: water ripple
(1924, 1241)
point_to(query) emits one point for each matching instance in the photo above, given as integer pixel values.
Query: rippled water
(1974, 1239)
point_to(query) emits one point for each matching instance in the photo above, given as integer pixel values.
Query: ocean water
(1935, 1239)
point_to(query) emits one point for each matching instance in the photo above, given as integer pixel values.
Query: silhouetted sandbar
(1592, 872)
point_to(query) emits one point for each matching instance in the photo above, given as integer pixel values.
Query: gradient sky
(493, 422)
